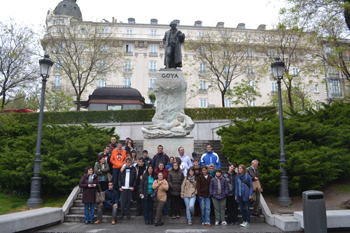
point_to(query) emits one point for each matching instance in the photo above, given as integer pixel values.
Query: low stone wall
(203, 129)
(29, 219)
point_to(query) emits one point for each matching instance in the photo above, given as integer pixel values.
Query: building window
(202, 50)
(60, 47)
(103, 48)
(114, 107)
(201, 33)
(58, 65)
(153, 33)
(252, 85)
(271, 71)
(274, 87)
(152, 66)
(271, 53)
(80, 62)
(56, 83)
(202, 68)
(102, 66)
(202, 85)
(128, 49)
(251, 102)
(129, 32)
(203, 103)
(316, 87)
(314, 72)
(226, 70)
(127, 82)
(250, 53)
(250, 69)
(228, 103)
(104, 31)
(151, 81)
(153, 49)
(101, 82)
(295, 71)
(334, 88)
(127, 67)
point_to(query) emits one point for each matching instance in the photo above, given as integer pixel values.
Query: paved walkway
(140, 228)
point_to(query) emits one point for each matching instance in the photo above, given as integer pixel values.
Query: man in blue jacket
(111, 202)
(210, 157)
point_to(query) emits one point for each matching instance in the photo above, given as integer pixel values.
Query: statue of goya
(172, 41)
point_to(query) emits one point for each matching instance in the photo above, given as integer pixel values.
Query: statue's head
(180, 117)
(173, 24)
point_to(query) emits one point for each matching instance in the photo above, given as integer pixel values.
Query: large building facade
(143, 49)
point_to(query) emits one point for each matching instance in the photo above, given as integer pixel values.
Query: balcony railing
(153, 54)
(127, 70)
(56, 87)
(152, 70)
(203, 90)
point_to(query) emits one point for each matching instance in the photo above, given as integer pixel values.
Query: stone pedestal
(170, 145)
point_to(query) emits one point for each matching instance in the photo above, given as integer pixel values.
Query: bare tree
(83, 53)
(296, 48)
(17, 66)
(223, 55)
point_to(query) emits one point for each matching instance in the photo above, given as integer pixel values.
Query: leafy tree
(152, 98)
(220, 56)
(83, 54)
(57, 101)
(65, 154)
(244, 92)
(17, 70)
(316, 145)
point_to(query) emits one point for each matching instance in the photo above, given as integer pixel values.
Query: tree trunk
(290, 100)
(3, 99)
(223, 98)
(78, 102)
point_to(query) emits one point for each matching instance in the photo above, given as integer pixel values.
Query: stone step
(140, 219)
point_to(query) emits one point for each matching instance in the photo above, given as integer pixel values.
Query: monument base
(170, 145)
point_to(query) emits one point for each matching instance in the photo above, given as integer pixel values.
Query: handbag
(100, 196)
(154, 194)
(109, 177)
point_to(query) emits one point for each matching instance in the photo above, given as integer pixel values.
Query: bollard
(314, 212)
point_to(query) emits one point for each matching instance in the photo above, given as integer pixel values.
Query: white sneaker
(216, 223)
(247, 224)
(224, 223)
(243, 224)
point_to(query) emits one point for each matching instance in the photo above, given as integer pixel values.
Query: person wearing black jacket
(145, 191)
(111, 202)
(231, 203)
(141, 169)
(127, 184)
(113, 145)
(160, 157)
(148, 160)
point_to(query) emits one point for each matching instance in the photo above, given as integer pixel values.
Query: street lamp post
(35, 188)
(283, 199)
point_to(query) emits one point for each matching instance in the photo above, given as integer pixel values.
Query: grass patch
(14, 203)
(343, 188)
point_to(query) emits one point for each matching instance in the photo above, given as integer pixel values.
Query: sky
(232, 12)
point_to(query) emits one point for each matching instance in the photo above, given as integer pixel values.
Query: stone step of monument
(107, 218)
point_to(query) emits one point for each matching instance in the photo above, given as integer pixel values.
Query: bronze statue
(172, 41)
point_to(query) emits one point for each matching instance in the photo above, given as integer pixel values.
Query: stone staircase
(76, 212)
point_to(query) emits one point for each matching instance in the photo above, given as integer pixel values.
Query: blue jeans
(115, 179)
(148, 208)
(205, 209)
(166, 205)
(189, 202)
(89, 211)
(244, 207)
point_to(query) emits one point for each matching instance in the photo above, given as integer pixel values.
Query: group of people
(162, 180)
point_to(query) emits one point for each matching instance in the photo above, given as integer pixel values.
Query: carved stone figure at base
(181, 126)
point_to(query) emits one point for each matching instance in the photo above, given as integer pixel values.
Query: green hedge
(78, 117)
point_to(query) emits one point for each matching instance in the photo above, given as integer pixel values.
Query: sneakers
(245, 224)
(190, 223)
(207, 224)
(224, 223)
(216, 223)
(173, 217)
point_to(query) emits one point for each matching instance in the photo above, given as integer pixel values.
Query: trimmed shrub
(316, 145)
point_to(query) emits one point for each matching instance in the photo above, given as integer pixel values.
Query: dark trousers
(175, 204)
(231, 205)
(148, 209)
(126, 201)
(104, 186)
(159, 214)
(115, 179)
(256, 203)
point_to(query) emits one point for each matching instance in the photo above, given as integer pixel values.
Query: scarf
(191, 178)
(91, 179)
(219, 184)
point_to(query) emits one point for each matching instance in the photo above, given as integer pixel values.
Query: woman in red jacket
(88, 183)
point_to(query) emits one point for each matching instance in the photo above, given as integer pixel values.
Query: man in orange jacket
(117, 159)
